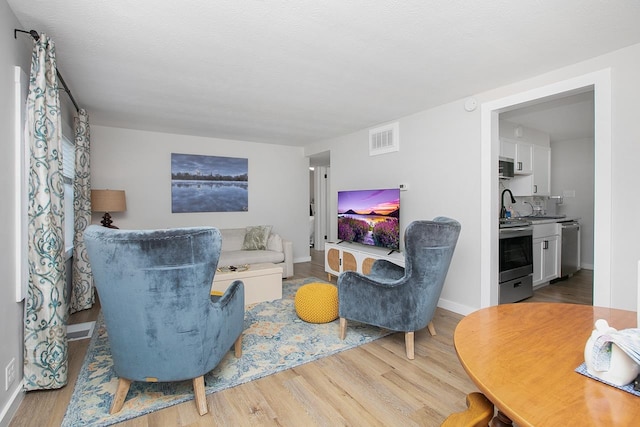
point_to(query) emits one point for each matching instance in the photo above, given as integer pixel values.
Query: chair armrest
(287, 268)
(352, 278)
(225, 323)
(382, 268)
(234, 292)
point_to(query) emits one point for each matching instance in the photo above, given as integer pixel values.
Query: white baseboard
(455, 307)
(586, 266)
(302, 259)
(12, 406)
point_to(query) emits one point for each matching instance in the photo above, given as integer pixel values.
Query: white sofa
(277, 251)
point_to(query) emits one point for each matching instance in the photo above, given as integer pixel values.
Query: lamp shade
(108, 201)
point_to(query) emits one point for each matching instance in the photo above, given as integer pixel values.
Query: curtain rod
(36, 36)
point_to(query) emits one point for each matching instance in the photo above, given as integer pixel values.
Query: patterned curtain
(45, 330)
(82, 294)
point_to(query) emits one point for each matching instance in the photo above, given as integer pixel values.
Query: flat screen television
(370, 217)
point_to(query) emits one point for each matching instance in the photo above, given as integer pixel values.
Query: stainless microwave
(505, 167)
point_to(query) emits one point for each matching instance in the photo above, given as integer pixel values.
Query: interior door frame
(600, 83)
(321, 182)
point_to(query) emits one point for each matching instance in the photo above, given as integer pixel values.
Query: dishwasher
(570, 252)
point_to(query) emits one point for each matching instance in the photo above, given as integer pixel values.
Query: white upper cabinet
(524, 159)
(521, 153)
(541, 171)
(537, 182)
(508, 148)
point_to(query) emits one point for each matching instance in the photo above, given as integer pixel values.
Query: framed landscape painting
(209, 183)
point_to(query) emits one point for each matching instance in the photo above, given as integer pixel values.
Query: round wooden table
(523, 358)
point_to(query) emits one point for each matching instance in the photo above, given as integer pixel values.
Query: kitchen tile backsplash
(525, 206)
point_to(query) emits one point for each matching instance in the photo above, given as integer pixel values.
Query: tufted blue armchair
(163, 324)
(402, 299)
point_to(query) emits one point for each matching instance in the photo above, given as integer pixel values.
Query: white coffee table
(262, 282)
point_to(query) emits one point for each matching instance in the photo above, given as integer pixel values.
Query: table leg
(501, 420)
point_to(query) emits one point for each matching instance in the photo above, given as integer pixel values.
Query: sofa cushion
(228, 258)
(274, 243)
(232, 239)
(256, 237)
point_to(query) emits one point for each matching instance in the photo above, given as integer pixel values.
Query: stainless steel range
(516, 260)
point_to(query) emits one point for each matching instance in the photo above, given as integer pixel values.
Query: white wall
(139, 162)
(440, 159)
(572, 168)
(14, 52)
(439, 162)
(625, 250)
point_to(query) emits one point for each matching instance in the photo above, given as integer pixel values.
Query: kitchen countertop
(545, 220)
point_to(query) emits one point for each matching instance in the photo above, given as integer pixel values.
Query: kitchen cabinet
(538, 183)
(522, 154)
(541, 170)
(339, 257)
(546, 254)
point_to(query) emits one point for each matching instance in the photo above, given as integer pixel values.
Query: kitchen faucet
(503, 210)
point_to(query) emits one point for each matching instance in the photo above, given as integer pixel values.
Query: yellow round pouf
(317, 302)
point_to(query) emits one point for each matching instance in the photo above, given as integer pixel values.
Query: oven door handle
(506, 233)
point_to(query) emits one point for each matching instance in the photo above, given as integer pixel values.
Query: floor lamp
(108, 201)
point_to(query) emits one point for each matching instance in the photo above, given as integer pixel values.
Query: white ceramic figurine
(622, 368)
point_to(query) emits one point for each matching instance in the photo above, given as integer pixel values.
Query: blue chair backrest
(429, 247)
(154, 288)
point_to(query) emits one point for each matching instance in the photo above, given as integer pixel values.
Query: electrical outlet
(10, 374)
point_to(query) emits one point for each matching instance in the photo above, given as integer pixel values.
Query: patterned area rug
(274, 339)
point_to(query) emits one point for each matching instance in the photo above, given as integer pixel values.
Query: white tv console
(345, 256)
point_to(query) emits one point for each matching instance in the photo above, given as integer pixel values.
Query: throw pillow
(256, 238)
(274, 243)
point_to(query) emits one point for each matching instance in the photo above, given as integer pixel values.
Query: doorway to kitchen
(598, 82)
(566, 126)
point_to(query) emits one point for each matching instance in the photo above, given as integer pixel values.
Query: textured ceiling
(293, 72)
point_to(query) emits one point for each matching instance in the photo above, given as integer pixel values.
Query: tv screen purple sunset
(370, 217)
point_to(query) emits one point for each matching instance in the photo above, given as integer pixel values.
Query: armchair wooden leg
(121, 394)
(432, 329)
(408, 342)
(238, 346)
(201, 397)
(343, 328)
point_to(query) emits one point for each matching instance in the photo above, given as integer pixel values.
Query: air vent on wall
(80, 331)
(384, 139)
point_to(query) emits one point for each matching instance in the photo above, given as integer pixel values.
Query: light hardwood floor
(577, 289)
(371, 385)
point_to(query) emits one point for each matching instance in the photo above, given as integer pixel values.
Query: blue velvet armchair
(154, 287)
(397, 298)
